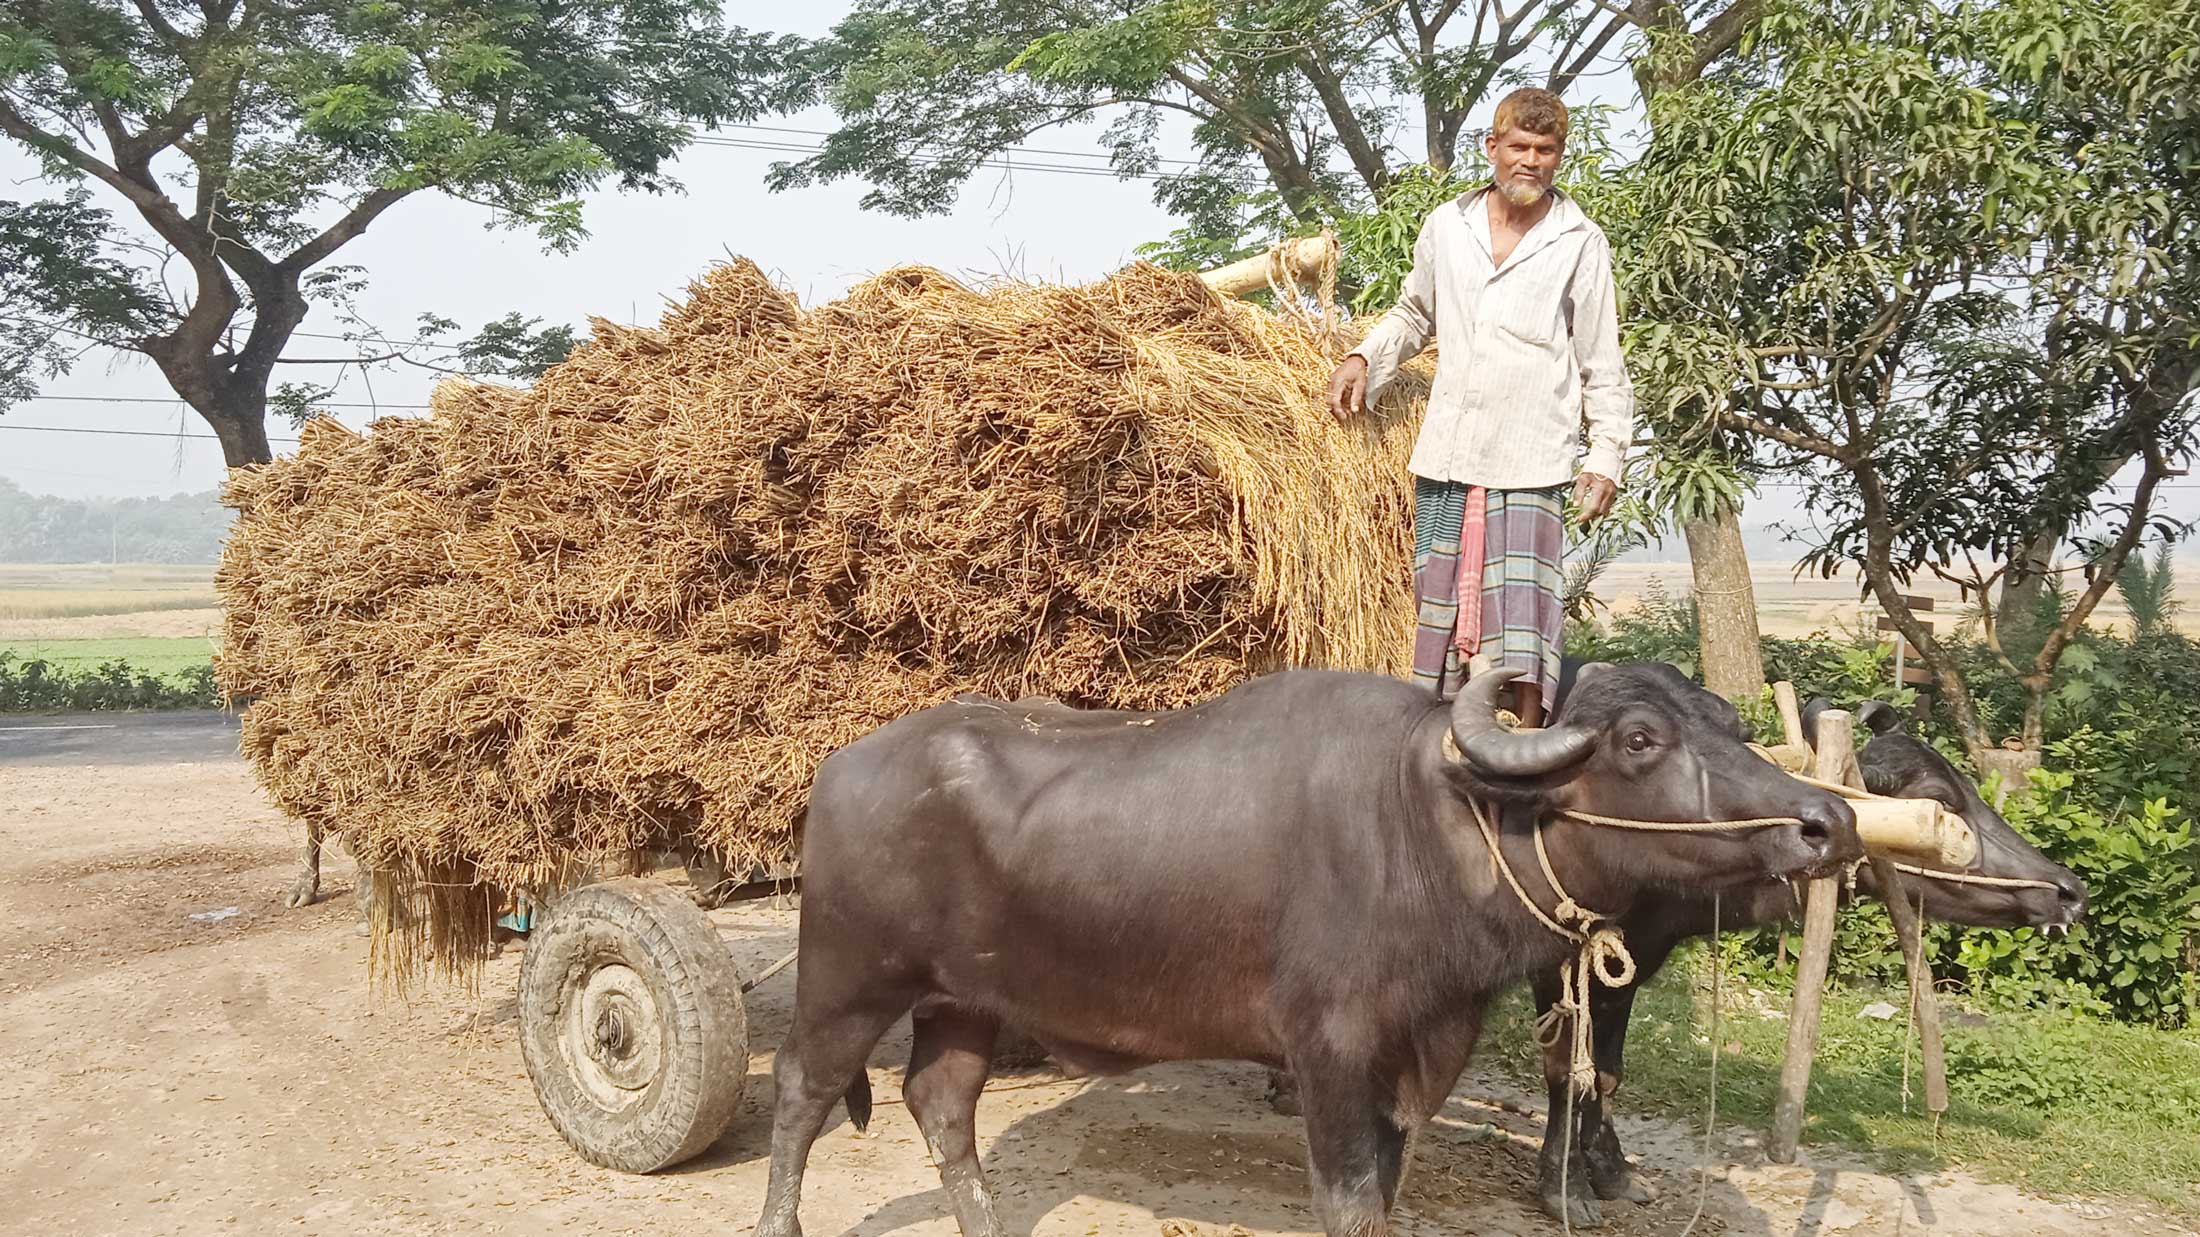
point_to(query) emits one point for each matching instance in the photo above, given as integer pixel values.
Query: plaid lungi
(1524, 543)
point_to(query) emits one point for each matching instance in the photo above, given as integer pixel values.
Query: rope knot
(1550, 1026)
(1606, 952)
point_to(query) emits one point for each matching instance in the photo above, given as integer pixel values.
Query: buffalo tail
(859, 1101)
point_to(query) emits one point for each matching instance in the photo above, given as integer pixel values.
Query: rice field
(80, 590)
(160, 619)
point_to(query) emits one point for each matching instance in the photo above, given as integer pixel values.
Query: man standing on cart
(1514, 285)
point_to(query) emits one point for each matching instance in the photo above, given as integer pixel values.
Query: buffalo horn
(1497, 752)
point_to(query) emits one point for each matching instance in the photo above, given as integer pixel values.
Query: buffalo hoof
(1283, 1093)
(304, 891)
(1623, 1185)
(1581, 1211)
(1585, 1211)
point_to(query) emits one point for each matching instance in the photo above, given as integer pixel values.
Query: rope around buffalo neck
(1599, 951)
(1680, 826)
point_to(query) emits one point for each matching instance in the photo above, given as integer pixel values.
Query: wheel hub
(612, 1036)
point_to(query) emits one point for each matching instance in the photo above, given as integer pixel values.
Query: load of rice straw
(632, 607)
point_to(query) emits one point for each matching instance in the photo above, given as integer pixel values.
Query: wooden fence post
(1836, 745)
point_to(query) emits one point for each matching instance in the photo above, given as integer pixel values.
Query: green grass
(2055, 1101)
(160, 656)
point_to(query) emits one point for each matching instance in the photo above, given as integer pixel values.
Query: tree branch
(1563, 79)
(2106, 568)
(216, 301)
(1721, 33)
(341, 232)
(1802, 442)
(1285, 167)
(161, 26)
(15, 125)
(1330, 89)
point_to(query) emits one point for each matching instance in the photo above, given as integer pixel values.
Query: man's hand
(1348, 388)
(1594, 496)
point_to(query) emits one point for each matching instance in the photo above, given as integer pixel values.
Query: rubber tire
(689, 1094)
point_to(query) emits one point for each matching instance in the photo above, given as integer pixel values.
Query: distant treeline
(38, 528)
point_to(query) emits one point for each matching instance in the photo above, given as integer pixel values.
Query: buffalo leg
(1357, 1150)
(818, 1065)
(1610, 1010)
(950, 1052)
(1610, 1175)
(1562, 1187)
(307, 887)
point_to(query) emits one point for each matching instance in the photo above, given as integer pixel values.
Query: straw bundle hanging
(634, 606)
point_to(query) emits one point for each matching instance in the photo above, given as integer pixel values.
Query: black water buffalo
(1293, 873)
(1893, 763)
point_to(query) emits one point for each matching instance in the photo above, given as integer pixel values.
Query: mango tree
(1923, 256)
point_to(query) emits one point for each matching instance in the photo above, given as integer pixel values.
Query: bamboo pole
(1307, 254)
(1836, 742)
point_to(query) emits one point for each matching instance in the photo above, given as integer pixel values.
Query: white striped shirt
(1526, 354)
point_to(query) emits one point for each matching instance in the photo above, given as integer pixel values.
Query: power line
(1001, 164)
(1020, 150)
(74, 429)
(735, 143)
(154, 399)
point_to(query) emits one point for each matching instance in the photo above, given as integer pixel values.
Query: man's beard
(1523, 191)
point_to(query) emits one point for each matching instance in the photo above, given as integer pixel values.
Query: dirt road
(178, 1054)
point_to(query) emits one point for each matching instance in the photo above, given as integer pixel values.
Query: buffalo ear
(1572, 673)
(1811, 712)
(1879, 717)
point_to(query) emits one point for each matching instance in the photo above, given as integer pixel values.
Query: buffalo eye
(1638, 741)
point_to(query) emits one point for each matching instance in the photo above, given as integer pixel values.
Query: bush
(40, 686)
(2132, 951)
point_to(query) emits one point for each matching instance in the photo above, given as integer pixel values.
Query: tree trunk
(243, 434)
(235, 410)
(1726, 607)
(1726, 602)
(2028, 578)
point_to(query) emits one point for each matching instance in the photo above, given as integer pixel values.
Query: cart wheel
(631, 1024)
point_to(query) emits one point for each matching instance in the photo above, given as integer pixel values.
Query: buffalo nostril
(2072, 897)
(1816, 835)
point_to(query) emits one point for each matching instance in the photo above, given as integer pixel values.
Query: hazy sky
(431, 254)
